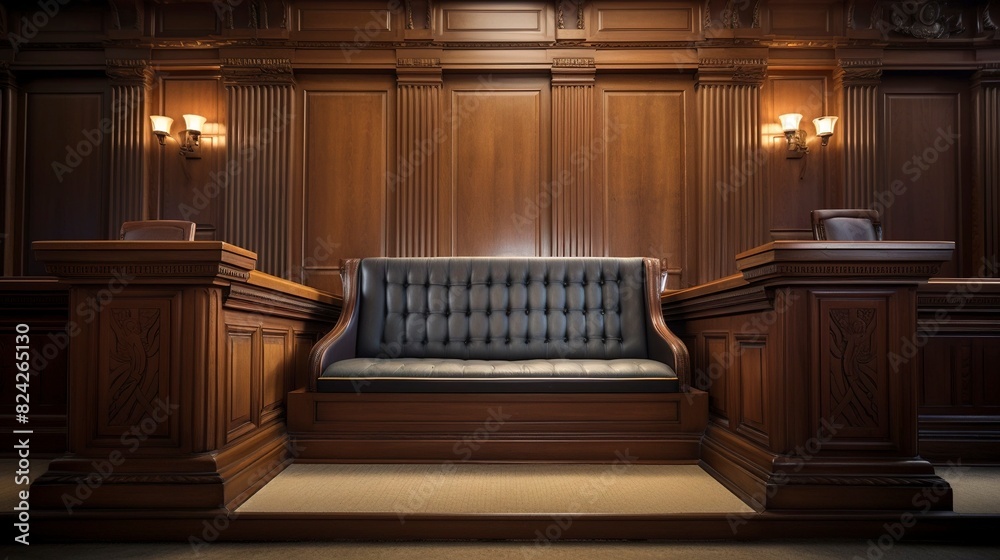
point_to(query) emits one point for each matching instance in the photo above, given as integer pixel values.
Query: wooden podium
(181, 357)
(811, 389)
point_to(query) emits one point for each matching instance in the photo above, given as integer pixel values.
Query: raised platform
(371, 427)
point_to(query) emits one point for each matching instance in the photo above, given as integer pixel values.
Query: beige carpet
(976, 489)
(493, 488)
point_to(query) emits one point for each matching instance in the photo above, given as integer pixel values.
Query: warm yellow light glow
(161, 124)
(790, 121)
(824, 125)
(194, 122)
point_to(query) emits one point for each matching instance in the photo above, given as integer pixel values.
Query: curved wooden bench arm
(341, 342)
(661, 343)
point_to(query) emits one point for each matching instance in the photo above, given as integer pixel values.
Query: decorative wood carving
(921, 19)
(259, 134)
(733, 209)
(858, 81)
(131, 83)
(852, 374)
(134, 363)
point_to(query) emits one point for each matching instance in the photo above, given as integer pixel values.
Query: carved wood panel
(496, 167)
(575, 224)
(136, 373)
(415, 186)
(353, 26)
(854, 380)
(796, 18)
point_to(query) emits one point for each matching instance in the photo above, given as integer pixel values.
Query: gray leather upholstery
(495, 308)
(846, 224)
(481, 324)
(535, 376)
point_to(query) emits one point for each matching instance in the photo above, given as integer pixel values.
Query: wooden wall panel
(348, 143)
(191, 189)
(644, 167)
(507, 21)
(797, 18)
(496, 165)
(188, 19)
(794, 186)
(240, 375)
(753, 388)
(926, 158)
(645, 21)
(717, 352)
(354, 25)
(65, 168)
(274, 376)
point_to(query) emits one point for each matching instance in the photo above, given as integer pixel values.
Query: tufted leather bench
(500, 325)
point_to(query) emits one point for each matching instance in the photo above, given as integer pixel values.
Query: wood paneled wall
(539, 127)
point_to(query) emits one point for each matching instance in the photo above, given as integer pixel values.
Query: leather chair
(846, 225)
(158, 230)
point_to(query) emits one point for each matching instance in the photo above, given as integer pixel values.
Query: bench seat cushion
(447, 375)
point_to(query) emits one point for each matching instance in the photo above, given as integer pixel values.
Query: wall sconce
(190, 137)
(796, 138)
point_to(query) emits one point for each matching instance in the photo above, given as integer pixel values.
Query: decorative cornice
(250, 71)
(573, 63)
(418, 62)
(161, 271)
(129, 72)
(918, 270)
(859, 71)
(726, 71)
(859, 62)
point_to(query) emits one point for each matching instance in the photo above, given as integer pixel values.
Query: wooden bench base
(499, 427)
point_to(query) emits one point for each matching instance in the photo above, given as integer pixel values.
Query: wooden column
(131, 81)
(180, 359)
(419, 133)
(733, 206)
(858, 81)
(258, 141)
(986, 173)
(575, 229)
(809, 359)
(8, 111)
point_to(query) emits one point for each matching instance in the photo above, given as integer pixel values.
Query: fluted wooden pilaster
(572, 132)
(858, 82)
(986, 175)
(419, 132)
(733, 213)
(258, 140)
(131, 81)
(8, 103)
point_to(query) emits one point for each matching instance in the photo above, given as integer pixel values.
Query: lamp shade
(161, 124)
(194, 122)
(824, 125)
(790, 121)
